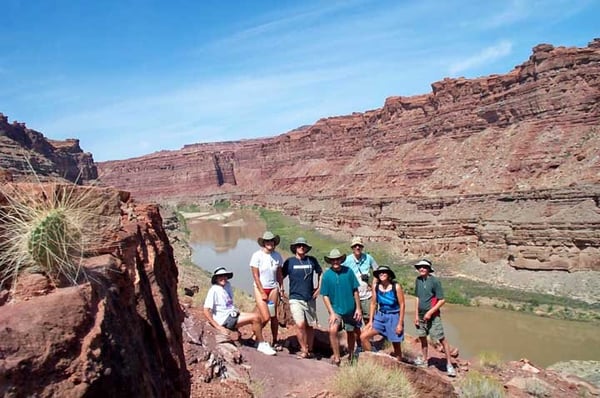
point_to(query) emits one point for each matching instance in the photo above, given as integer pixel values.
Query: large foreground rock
(117, 335)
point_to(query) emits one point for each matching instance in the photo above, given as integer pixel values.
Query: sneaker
(450, 370)
(265, 348)
(420, 362)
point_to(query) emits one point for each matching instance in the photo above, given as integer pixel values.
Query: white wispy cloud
(487, 55)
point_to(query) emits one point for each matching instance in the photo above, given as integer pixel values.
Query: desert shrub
(476, 385)
(48, 230)
(490, 359)
(536, 388)
(368, 379)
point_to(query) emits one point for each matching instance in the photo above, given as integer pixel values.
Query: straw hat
(268, 235)
(334, 254)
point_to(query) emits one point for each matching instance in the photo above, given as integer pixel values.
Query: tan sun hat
(424, 263)
(357, 240)
(300, 241)
(268, 235)
(334, 254)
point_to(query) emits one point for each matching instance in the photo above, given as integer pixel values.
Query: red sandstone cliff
(118, 335)
(505, 167)
(49, 158)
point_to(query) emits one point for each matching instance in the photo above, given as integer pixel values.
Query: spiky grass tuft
(368, 379)
(47, 228)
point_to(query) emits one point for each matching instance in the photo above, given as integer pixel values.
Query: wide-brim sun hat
(268, 235)
(298, 242)
(333, 255)
(219, 272)
(384, 269)
(424, 263)
(357, 240)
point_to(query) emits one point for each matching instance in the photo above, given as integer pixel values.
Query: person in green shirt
(429, 299)
(339, 288)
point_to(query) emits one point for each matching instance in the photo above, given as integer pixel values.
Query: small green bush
(490, 359)
(476, 385)
(367, 379)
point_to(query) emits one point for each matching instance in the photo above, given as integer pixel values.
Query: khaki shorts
(365, 306)
(303, 311)
(433, 328)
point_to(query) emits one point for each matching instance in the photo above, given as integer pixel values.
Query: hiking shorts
(385, 325)
(348, 323)
(304, 311)
(432, 328)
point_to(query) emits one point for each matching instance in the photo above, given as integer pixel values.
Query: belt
(389, 312)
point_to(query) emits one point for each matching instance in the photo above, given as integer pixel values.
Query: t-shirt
(267, 264)
(361, 266)
(425, 290)
(301, 276)
(339, 287)
(220, 300)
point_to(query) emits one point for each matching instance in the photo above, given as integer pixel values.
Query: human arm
(209, 317)
(416, 305)
(438, 294)
(279, 277)
(358, 310)
(429, 314)
(257, 282)
(402, 303)
(332, 316)
(373, 305)
(317, 289)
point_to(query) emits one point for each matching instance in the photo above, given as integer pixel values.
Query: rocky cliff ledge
(49, 158)
(116, 335)
(503, 168)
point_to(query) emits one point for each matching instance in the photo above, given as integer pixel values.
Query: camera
(234, 313)
(364, 277)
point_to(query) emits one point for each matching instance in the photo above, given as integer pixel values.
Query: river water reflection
(229, 239)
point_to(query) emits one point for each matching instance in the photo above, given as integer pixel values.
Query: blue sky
(131, 77)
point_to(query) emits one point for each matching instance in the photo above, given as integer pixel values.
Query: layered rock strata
(23, 150)
(503, 167)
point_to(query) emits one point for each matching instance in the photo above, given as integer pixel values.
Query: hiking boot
(420, 362)
(450, 370)
(265, 348)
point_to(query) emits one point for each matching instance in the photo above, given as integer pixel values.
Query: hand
(332, 319)
(224, 330)
(399, 329)
(282, 293)
(417, 321)
(264, 296)
(427, 316)
(357, 315)
(315, 294)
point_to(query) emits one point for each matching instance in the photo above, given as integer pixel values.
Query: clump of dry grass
(490, 359)
(368, 379)
(477, 385)
(47, 228)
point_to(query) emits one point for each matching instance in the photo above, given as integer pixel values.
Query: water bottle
(271, 306)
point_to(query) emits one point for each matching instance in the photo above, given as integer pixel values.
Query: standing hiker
(386, 313)
(266, 266)
(361, 264)
(339, 288)
(429, 299)
(301, 269)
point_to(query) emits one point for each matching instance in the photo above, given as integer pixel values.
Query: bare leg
(365, 337)
(274, 297)
(352, 337)
(310, 338)
(446, 350)
(334, 341)
(424, 347)
(301, 333)
(397, 350)
(254, 319)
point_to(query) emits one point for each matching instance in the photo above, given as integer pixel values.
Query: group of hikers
(361, 305)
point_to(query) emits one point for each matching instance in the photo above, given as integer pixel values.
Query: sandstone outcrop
(117, 334)
(503, 167)
(51, 159)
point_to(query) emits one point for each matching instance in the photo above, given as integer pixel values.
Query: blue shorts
(385, 325)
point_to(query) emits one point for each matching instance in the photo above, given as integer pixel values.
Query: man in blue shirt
(301, 269)
(339, 288)
(361, 264)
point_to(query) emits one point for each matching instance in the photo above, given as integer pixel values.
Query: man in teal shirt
(339, 288)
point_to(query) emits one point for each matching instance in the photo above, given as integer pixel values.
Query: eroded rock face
(118, 335)
(49, 158)
(503, 168)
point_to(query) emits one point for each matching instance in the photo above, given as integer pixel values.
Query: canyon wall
(504, 167)
(51, 159)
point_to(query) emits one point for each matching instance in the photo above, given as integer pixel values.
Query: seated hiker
(222, 314)
(386, 315)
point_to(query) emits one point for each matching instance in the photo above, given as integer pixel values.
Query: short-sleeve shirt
(425, 290)
(339, 287)
(267, 264)
(301, 276)
(361, 266)
(220, 300)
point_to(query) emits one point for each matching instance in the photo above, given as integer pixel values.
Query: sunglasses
(357, 247)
